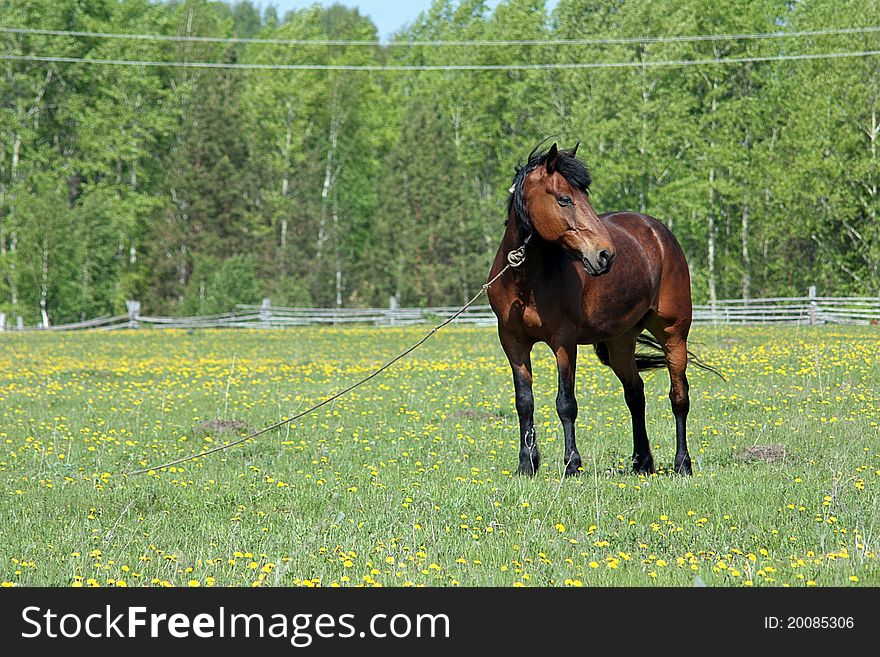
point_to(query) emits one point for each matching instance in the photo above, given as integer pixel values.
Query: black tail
(650, 361)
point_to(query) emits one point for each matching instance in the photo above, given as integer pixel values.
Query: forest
(129, 170)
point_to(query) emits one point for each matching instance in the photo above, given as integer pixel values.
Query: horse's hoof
(528, 464)
(572, 464)
(683, 465)
(643, 465)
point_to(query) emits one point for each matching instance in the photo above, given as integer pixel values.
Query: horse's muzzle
(602, 264)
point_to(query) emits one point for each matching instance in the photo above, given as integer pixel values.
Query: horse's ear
(571, 152)
(550, 164)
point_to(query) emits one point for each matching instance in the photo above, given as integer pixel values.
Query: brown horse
(590, 279)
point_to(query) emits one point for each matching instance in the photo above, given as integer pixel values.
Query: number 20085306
(809, 622)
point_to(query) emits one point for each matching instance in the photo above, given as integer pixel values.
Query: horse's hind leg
(674, 340)
(676, 361)
(519, 355)
(621, 358)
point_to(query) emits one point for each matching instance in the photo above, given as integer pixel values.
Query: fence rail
(779, 310)
(791, 310)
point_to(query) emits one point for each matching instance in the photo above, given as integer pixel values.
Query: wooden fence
(780, 310)
(791, 310)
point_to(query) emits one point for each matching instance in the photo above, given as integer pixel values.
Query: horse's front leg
(566, 402)
(519, 355)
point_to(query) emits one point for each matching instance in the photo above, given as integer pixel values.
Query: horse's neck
(512, 239)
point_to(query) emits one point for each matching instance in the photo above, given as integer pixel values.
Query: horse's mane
(572, 169)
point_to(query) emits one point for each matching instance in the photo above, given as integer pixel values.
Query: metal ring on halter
(516, 257)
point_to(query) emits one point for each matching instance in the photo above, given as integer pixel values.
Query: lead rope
(515, 259)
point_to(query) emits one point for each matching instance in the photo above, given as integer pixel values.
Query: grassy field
(409, 479)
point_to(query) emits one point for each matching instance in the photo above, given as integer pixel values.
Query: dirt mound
(473, 414)
(766, 453)
(218, 426)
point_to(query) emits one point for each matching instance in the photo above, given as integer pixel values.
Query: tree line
(194, 189)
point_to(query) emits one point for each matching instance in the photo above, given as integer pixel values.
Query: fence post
(134, 313)
(265, 312)
(19, 323)
(393, 305)
(813, 306)
(2, 321)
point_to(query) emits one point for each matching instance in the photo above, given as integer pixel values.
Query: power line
(476, 43)
(448, 67)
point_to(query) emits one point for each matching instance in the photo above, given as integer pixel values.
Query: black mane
(571, 168)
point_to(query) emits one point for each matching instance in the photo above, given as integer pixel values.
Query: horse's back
(639, 224)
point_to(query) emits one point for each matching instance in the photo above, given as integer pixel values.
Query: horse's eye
(563, 200)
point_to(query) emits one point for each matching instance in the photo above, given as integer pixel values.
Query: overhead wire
(454, 43)
(446, 67)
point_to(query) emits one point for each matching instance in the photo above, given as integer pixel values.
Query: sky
(388, 15)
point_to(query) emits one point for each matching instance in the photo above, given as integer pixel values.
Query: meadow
(410, 479)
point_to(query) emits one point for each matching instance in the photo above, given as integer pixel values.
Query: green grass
(409, 479)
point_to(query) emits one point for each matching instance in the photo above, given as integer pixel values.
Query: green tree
(830, 173)
(210, 209)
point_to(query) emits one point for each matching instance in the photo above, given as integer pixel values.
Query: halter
(518, 256)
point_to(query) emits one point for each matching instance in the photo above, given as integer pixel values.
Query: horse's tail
(650, 361)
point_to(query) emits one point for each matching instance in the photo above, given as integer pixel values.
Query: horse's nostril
(604, 258)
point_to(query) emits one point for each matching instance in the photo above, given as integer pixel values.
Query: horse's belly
(619, 318)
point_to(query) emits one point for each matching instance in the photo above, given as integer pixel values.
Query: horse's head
(551, 198)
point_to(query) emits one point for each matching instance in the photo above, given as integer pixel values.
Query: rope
(514, 259)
